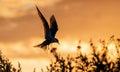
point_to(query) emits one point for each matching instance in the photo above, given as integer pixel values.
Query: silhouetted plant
(97, 61)
(6, 66)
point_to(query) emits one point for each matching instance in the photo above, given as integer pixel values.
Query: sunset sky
(21, 28)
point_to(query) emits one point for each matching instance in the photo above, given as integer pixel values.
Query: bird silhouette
(49, 31)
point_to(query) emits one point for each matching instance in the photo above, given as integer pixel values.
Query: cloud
(20, 28)
(24, 50)
(12, 8)
(7, 26)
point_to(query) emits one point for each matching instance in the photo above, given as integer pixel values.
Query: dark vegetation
(97, 61)
(6, 66)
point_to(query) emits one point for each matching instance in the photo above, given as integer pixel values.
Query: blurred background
(21, 28)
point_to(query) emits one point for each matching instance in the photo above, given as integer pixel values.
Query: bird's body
(46, 42)
(49, 31)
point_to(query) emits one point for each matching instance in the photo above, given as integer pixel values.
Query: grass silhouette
(96, 61)
(6, 66)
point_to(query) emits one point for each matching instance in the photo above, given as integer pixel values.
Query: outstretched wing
(45, 24)
(53, 26)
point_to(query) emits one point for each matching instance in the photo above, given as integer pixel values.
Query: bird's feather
(45, 24)
(53, 26)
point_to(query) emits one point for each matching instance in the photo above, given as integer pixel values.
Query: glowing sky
(21, 28)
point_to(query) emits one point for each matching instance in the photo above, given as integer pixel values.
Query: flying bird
(49, 31)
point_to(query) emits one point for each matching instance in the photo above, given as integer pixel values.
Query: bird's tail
(40, 46)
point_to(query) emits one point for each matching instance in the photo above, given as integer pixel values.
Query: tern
(49, 31)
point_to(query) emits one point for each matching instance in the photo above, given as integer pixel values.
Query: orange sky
(21, 28)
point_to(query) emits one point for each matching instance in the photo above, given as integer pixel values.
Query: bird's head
(56, 40)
